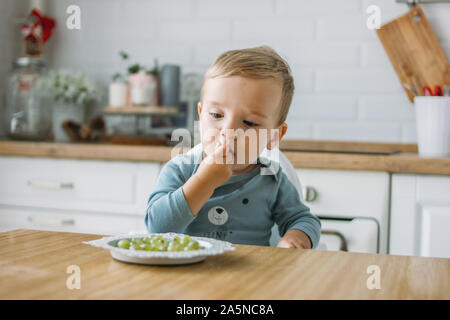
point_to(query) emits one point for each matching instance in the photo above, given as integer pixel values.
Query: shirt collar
(268, 167)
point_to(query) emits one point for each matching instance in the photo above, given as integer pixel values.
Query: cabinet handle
(309, 193)
(344, 245)
(46, 184)
(54, 222)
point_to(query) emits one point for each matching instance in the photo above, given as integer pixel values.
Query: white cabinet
(354, 205)
(15, 217)
(98, 195)
(420, 215)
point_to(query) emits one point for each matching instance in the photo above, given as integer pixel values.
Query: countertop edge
(395, 163)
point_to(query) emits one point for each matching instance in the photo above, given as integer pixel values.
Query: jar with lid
(27, 113)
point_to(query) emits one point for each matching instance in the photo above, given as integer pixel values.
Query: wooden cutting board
(415, 52)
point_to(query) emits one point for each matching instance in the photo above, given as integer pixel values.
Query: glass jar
(27, 113)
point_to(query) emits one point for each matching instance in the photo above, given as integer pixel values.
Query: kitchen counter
(395, 158)
(34, 263)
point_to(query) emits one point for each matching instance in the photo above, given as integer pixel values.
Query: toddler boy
(226, 190)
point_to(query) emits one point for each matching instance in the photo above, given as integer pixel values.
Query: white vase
(118, 94)
(66, 111)
(141, 95)
(141, 88)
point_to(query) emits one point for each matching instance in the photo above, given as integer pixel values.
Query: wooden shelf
(143, 110)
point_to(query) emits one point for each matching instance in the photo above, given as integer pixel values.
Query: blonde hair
(257, 63)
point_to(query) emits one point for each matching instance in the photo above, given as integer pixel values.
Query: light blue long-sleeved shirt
(243, 210)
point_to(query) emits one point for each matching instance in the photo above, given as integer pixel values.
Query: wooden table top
(33, 265)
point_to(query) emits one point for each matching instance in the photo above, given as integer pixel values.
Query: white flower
(68, 86)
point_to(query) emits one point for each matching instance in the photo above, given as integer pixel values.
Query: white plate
(210, 247)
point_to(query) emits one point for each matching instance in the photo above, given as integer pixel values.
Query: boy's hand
(295, 238)
(213, 170)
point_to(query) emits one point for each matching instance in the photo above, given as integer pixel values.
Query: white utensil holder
(433, 126)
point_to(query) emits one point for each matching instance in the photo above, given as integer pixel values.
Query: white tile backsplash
(383, 107)
(318, 54)
(373, 55)
(232, 9)
(294, 8)
(370, 131)
(205, 54)
(328, 107)
(358, 81)
(346, 88)
(199, 30)
(409, 132)
(278, 29)
(298, 129)
(149, 10)
(350, 27)
(303, 79)
(389, 9)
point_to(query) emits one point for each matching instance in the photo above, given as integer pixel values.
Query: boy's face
(242, 110)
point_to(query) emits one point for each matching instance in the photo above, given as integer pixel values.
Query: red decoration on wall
(36, 32)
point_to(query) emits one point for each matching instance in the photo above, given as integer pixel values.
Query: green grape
(174, 246)
(186, 240)
(124, 244)
(148, 240)
(155, 242)
(159, 242)
(135, 246)
(193, 245)
(146, 247)
(137, 241)
(176, 239)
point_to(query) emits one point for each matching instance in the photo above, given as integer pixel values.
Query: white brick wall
(324, 107)
(294, 8)
(234, 9)
(346, 88)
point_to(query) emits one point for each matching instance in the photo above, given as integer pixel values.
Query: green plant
(117, 76)
(134, 68)
(155, 70)
(124, 55)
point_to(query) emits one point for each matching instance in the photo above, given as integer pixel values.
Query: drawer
(73, 184)
(355, 235)
(346, 193)
(433, 189)
(54, 220)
